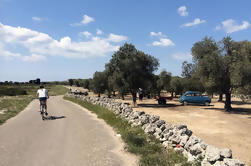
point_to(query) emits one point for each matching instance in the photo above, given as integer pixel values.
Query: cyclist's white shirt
(42, 93)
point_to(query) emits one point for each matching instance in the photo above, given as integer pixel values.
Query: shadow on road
(158, 105)
(169, 105)
(240, 102)
(242, 111)
(54, 117)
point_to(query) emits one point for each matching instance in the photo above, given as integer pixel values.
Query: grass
(15, 103)
(147, 147)
(12, 106)
(55, 90)
(15, 90)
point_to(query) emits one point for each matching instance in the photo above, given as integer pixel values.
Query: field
(14, 99)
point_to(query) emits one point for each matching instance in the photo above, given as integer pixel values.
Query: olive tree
(132, 69)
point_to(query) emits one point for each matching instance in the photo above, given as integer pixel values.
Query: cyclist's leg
(41, 106)
(45, 106)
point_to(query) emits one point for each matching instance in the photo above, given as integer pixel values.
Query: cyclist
(42, 95)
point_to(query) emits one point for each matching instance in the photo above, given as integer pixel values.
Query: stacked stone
(178, 137)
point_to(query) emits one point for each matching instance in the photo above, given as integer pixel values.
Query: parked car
(194, 97)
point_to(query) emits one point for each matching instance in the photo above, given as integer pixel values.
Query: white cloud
(231, 26)
(99, 32)
(182, 56)
(182, 11)
(38, 43)
(163, 42)
(86, 20)
(196, 21)
(157, 34)
(36, 19)
(33, 58)
(116, 38)
(6, 53)
(86, 34)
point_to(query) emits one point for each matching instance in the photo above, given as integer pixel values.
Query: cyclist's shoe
(46, 113)
(41, 112)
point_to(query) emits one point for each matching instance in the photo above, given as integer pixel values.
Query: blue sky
(57, 40)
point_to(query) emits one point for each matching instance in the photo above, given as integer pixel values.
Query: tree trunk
(172, 94)
(220, 97)
(122, 96)
(228, 102)
(134, 97)
(98, 94)
(212, 95)
(114, 93)
(109, 94)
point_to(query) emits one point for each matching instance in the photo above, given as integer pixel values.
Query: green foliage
(188, 69)
(163, 83)
(99, 82)
(70, 82)
(86, 83)
(176, 85)
(148, 148)
(9, 91)
(224, 66)
(131, 69)
(153, 89)
(192, 84)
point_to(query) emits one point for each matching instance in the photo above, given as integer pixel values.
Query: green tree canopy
(223, 66)
(99, 82)
(132, 69)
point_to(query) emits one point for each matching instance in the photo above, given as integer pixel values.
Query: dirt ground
(211, 123)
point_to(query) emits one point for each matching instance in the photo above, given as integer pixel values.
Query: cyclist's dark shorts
(42, 98)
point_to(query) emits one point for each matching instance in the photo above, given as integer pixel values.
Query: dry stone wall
(178, 136)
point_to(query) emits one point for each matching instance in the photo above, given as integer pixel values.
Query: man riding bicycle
(42, 95)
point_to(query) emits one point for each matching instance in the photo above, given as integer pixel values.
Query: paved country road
(73, 137)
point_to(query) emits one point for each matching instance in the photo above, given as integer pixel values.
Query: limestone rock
(226, 153)
(150, 129)
(183, 140)
(232, 162)
(212, 154)
(196, 149)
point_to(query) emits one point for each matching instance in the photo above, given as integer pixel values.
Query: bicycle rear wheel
(42, 111)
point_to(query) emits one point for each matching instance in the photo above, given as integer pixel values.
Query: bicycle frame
(42, 108)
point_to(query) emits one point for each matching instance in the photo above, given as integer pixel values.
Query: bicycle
(43, 109)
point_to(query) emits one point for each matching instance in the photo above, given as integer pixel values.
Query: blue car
(195, 98)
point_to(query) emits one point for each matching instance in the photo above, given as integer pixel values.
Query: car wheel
(207, 103)
(185, 103)
(164, 102)
(159, 101)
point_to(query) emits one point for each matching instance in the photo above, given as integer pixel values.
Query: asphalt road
(71, 136)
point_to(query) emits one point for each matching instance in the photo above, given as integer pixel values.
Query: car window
(197, 94)
(189, 94)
